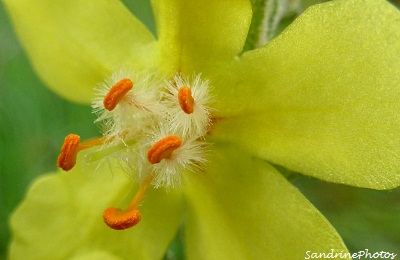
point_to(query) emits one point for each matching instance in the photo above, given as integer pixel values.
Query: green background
(34, 122)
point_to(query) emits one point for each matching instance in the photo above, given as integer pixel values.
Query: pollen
(117, 93)
(186, 100)
(163, 149)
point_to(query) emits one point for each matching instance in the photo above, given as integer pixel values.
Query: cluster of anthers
(156, 126)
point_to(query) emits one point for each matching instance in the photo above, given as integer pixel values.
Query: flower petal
(323, 98)
(61, 217)
(200, 33)
(242, 208)
(74, 45)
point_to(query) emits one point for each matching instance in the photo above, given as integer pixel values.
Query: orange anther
(71, 147)
(163, 149)
(186, 100)
(119, 219)
(69, 151)
(117, 93)
(122, 219)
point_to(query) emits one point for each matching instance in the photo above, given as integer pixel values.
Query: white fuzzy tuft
(190, 156)
(139, 109)
(196, 123)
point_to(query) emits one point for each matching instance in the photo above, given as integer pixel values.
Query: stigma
(157, 127)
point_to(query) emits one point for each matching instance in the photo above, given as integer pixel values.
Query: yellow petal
(200, 33)
(73, 45)
(323, 98)
(242, 208)
(61, 218)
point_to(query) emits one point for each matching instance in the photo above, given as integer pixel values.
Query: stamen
(71, 147)
(117, 93)
(186, 100)
(163, 149)
(122, 219)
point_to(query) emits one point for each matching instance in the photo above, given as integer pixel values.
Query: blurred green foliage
(34, 122)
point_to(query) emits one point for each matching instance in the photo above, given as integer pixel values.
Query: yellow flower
(321, 99)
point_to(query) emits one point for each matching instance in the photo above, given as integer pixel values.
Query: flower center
(161, 114)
